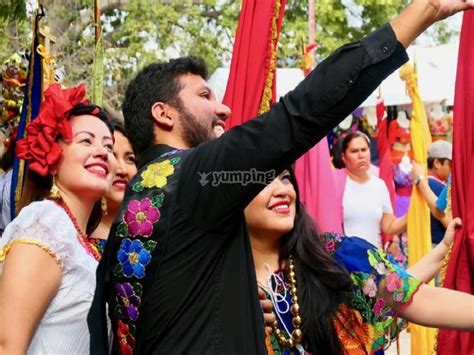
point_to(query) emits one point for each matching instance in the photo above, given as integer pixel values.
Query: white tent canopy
(436, 78)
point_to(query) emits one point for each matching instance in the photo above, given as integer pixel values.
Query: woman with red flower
(337, 295)
(45, 251)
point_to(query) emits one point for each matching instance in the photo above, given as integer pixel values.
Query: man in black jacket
(177, 272)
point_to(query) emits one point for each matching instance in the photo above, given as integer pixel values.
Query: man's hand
(267, 308)
(421, 14)
(445, 8)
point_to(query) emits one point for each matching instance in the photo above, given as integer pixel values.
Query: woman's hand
(417, 171)
(394, 249)
(455, 224)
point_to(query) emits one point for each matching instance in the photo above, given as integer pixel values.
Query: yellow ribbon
(48, 62)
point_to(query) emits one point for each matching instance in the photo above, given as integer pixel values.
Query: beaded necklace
(296, 335)
(91, 245)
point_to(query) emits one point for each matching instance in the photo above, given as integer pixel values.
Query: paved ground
(404, 345)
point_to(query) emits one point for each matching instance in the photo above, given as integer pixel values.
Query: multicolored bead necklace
(91, 245)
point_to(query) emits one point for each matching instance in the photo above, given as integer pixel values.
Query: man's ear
(162, 114)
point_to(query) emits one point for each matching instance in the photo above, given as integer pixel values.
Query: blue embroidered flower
(133, 257)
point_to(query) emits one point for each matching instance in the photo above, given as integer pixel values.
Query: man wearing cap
(440, 154)
(439, 169)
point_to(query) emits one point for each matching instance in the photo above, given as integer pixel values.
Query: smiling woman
(333, 294)
(71, 164)
(124, 172)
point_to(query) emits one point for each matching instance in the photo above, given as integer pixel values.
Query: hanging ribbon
(418, 228)
(98, 73)
(48, 63)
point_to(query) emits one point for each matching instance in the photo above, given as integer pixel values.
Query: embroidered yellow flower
(156, 174)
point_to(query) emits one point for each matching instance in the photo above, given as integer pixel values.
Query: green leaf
(122, 230)
(175, 160)
(138, 288)
(150, 245)
(157, 200)
(138, 187)
(118, 271)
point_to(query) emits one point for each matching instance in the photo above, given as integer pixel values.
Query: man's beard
(194, 132)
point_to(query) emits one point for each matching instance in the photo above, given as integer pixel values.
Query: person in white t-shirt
(367, 210)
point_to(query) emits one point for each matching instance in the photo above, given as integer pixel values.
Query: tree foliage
(137, 32)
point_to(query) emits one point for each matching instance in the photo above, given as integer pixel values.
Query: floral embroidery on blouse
(133, 257)
(331, 241)
(156, 175)
(370, 268)
(355, 335)
(366, 324)
(126, 339)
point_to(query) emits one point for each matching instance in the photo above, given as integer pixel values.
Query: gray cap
(441, 149)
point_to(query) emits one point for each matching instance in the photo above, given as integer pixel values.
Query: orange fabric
(355, 336)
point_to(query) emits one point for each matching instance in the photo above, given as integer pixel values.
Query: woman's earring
(54, 191)
(103, 206)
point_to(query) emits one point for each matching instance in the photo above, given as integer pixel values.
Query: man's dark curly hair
(158, 82)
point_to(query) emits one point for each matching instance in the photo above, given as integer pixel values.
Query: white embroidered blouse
(63, 328)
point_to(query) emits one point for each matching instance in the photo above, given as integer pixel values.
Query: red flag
(460, 271)
(253, 66)
(383, 145)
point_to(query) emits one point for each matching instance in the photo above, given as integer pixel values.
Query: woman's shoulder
(334, 241)
(48, 212)
(44, 224)
(352, 252)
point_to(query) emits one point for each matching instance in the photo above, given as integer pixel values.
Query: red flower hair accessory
(40, 147)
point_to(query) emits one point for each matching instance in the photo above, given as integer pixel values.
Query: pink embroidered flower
(330, 246)
(393, 281)
(140, 217)
(379, 306)
(369, 288)
(398, 296)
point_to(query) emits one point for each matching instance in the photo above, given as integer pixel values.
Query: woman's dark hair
(6, 162)
(157, 82)
(119, 126)
(337, 154)
(322, 284)
(37, 187)
(351, 136)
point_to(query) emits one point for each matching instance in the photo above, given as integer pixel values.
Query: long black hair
(323, 285)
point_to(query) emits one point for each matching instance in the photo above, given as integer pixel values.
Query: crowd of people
(123, 246)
